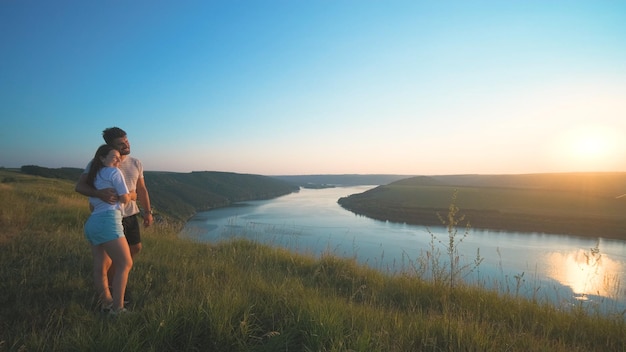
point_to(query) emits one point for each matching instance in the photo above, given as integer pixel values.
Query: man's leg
(133, 234)
(133, 237)
(135, 249)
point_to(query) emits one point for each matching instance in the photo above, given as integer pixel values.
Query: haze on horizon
(318, 87)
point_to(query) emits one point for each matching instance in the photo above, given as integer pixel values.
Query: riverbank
(242, 296)
(572, 204)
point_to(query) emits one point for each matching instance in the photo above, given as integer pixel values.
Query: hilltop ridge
(606, 183)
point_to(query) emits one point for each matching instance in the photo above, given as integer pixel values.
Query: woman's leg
(100, 267)
(119, 253)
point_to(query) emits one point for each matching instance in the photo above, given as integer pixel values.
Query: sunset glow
(318, 87)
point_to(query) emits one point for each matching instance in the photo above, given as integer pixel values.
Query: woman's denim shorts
(104, 227)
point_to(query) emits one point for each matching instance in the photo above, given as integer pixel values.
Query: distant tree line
(67, 173)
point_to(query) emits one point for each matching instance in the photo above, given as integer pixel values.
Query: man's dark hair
(112, 133)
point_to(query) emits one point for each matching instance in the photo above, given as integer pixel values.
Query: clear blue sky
(317, 87)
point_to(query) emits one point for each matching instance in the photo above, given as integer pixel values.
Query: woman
(104, 229)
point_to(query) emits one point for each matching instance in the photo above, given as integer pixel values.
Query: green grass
(243, 296)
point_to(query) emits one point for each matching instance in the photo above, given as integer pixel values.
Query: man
(133, 174)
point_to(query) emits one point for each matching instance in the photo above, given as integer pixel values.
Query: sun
(586, 148)
(590, 148)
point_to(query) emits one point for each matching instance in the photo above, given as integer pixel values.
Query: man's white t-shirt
(133, 171)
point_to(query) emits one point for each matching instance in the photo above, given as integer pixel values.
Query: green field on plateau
(584, 204)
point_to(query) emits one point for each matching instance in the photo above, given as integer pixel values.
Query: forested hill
(184, 194)
(181, 195)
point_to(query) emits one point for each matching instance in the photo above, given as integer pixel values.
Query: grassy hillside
(579, 204)
(241, 296)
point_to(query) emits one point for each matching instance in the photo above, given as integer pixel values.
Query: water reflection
(586, 272)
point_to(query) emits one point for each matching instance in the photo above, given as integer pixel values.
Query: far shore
(490, 221)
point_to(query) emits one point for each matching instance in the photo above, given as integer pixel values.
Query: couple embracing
(114, 183)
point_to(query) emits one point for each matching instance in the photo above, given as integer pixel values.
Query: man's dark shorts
(131, 229)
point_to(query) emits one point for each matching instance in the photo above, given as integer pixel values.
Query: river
(560, 269)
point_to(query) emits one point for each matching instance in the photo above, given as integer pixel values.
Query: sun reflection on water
(586, 273)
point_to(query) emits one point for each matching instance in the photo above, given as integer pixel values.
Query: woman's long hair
(96, 163)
